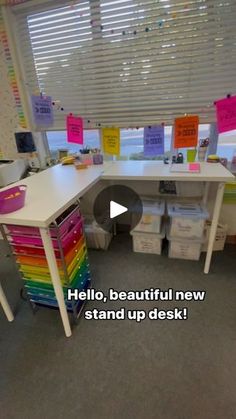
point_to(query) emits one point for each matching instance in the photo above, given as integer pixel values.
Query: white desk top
(50, 192)
(155, 170)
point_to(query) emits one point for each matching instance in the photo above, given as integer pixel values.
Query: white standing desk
(50, 192)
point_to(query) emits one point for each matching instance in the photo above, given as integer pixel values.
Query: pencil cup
(202, 153)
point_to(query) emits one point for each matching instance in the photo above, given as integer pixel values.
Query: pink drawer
(22, 230)
(73, 237)
(29, 241)
(68, 240)
(67, 223)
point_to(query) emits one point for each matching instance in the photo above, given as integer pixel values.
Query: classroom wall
(9, 121)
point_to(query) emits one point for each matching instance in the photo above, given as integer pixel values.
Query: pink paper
(226, 114)
(194, 167)
(74, 126)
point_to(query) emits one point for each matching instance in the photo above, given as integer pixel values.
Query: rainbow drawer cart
(67, 235)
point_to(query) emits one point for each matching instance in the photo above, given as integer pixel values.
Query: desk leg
(5, 305)
(215, 218)
(206, 193)
(52, 264)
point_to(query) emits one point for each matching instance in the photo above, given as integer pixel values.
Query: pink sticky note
(226, 114)
(194, 167)
(74, 126)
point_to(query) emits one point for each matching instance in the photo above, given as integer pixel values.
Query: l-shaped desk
(52, 191)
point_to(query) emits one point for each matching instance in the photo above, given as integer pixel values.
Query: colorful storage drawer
(68, 240)
(67, 222)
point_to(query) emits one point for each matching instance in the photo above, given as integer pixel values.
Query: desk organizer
(68, 240)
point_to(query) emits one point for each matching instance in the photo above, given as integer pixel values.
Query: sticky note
(194, 167)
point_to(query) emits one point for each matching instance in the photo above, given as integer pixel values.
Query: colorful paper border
(11, 73)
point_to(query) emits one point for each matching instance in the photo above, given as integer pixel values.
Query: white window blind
(130, 62)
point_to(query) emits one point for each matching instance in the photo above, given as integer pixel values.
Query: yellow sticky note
(111, 141)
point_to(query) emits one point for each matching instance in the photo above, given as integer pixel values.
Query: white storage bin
(220, 238)
(184, 248)
(151, 217)
(187, 220)
(147, 242)
(96, 237)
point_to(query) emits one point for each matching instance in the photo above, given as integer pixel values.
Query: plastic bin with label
(153, 211)
(180, 248)
(147, 242)
(187, 220)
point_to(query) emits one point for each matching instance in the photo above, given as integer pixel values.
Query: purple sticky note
(42, 110)
(74, 126)
(154, 140)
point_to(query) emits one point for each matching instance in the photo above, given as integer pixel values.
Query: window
(227, 145)
(131, 142)
(129, 62)
(57, 140)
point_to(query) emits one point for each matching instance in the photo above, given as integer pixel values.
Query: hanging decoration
(111, 141)
(42, 110)
(186, 131)
(74, 125)
(154, 140)
(226, 113)
(57, 105)
(11, 73)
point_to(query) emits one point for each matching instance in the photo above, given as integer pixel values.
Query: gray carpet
(121, 369)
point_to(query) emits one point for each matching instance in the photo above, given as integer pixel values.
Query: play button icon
(116, 209)
(117, 204)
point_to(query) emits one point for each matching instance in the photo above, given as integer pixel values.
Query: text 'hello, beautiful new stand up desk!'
(52, 217)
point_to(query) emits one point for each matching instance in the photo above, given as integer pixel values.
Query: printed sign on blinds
(226, 114)
(74, 125)
(186, 132)
(42, 110)
(154, 140)
(111, 141)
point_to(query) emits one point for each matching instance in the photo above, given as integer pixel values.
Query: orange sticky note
(186, 131)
